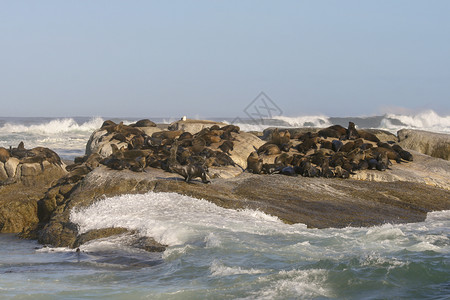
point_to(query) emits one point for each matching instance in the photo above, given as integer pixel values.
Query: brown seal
(190, 172)
(269, 149)
(4, 155)
(352, 133)
(254, 163)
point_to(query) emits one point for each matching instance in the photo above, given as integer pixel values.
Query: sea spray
(54, 126)
(222, 253)
(65, 136)
(426, 120)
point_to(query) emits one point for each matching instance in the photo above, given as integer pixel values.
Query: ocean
(218, 253)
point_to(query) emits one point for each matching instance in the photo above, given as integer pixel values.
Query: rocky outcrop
(317, 202)
(429, 143)
(425, 170)
(244, 144)
(193, 126)
(22, 185)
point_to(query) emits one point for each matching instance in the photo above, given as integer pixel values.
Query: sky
(212, 58)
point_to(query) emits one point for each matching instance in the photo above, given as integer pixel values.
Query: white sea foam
(285, 122)
(306, 121)
(384, 232)
(53, 126)
(171, 218)
(299, 284)
(218, 269)
(426, 120)
(53, 249)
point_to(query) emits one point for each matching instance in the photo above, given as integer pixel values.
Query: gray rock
(244, 144)
(429, 143)
(11, 166)
(3, 174)
(193, 126)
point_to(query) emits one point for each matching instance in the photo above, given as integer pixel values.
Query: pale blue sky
(211, 58)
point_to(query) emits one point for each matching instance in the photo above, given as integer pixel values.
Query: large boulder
(429, 143)
(100, 142)
(193, 126)
(244, 144)
(20, 192)
(424, 169)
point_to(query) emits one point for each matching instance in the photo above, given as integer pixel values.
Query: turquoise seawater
(217, 253)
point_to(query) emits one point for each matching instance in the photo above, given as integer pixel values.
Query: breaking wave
(54, 126)
(427, 120)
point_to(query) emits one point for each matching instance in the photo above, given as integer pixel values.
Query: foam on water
(54, 126)
(171, 218)
(426, 120)
(218, 269)
(222, 253)
(301, 284)
(306, 121)
(65, 136)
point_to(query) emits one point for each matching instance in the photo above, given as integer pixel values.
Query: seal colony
(176, 151)
(334, 151)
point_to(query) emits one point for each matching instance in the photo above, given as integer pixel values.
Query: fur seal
(144, 123)
(307, 145)
(324, 144)
(269, 149)
(41, 154)
(403, 153)
(352, 133)
(284, 159)
(280, 138)
(19, 152)
(231, 128)
(328, 132)
(336, 145)
(4, 155)
(108, 123)
(270, 168)
(190, 172)
(341, 173)
(198, 144)
(368, 136)
(288, 171)
(326, 171)
(391, 154)
(185, 136)
(254, 163)
(167, 134)
(227, 146)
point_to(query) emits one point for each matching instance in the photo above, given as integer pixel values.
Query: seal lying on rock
(332, 152)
